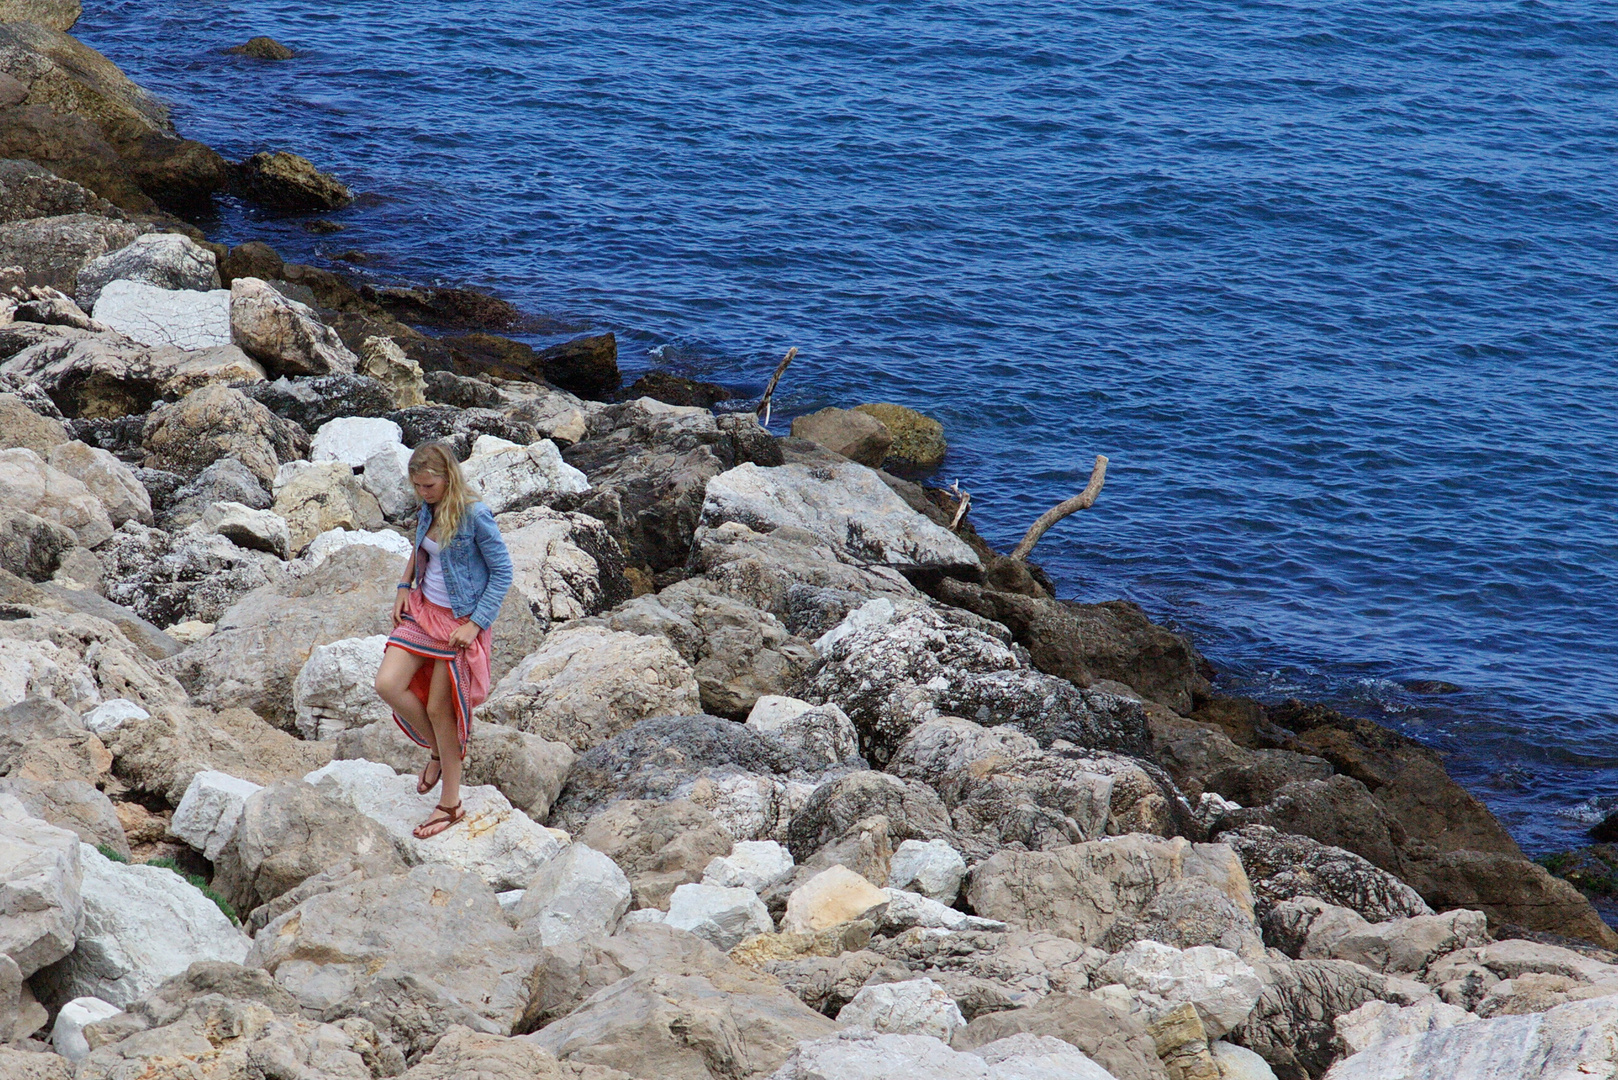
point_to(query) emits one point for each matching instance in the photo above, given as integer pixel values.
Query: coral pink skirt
(425, 632)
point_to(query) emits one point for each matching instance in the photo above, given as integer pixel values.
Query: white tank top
(432, 584)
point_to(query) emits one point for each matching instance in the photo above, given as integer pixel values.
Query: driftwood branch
(769, 391)
(963, 503)
(1081, 501)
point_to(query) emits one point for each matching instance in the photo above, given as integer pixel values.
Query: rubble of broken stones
(779, 777)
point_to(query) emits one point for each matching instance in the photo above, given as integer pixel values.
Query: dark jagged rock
(1293, 1025)
(491, 354)
(262, 48)
(253, 259)
(586, 366)
(913, 811)
(1284, 866)
(120, 435)
(226, 480)
(28, 190)
(459, 427)
(444, 306)
(676, 390)
(310, 401)
(32, 547)
(448, 388)
(287, 181)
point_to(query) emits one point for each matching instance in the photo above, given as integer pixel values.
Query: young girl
(436, 666)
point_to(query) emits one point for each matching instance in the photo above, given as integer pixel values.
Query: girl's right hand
(401, 598)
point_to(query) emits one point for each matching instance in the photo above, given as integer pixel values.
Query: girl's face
(429, 488)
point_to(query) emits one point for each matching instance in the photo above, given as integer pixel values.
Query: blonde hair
(437, 459)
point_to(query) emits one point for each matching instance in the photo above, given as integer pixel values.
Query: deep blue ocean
(1335, 286)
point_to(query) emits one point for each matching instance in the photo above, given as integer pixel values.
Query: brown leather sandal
(437, 824)
(424, 785)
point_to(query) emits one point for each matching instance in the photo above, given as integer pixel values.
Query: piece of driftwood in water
(769, 391)
(1081, 501)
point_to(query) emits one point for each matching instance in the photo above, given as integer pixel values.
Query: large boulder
(335, 689)
(686, 1022)
(163, 318)
(226, 480)
(1092, 890)
(78, 660)
(823, 733)
(587, 366)
(104, 376)
(1112, 1037)
(142, 924)
(578, 894)
(28, 190)
(463, 1053)
(917, 439)
(353, 439)
(913, 811)
(110, 480)
(566, 564)
(181, 371)
(894, 665)
(286, 181)
(701, 758)
(261, 643)
(312, 401)
(513, 477)
(71, 804)
(586, 684)
(210, 810)
(161, 754)
(659, 845)
(166, 260)
(21, 426)
(325, 497)
(909, 1007)
(1292, 1026)
(192, 574)
(528, 770)
(339, 952)
(289, 832)
(862, 439)
(41, 740)
(1282, 867)
(1511, 891)
(29, 484)
(497, 842)
(217, 422)
(848, 507)
(52, 250)
(285, 336)
(41, 881)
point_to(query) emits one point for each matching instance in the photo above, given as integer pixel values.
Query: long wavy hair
(437, 459)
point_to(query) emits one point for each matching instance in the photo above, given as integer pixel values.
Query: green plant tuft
(111, 854)
(202, 887)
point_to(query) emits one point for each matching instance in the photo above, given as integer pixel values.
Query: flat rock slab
(166, 318)
(497, 842)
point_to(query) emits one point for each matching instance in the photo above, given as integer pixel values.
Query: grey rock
(660, 845)
(566, 564)
(166, 260)
(255, 530)
(32, 547)
(216, 422)
(1284, 866)
(723, 916)
(1292, 1024)
(312, 401)
(459, 428)
(41, 879)
(163, 753)
(52, 250)
(1115, 1040)
(170, 578)
(22, 426)
(29, 191)
(910, 1007)
(71, 804)
(29, 484)
(822, 732)
(912, 810)
(94, 377)
(110, 480)
(929, 867)
(579, 894)
(226, 480)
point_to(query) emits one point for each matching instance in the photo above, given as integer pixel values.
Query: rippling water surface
(1332, 285)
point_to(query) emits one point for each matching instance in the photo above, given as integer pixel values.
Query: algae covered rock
(917, 440)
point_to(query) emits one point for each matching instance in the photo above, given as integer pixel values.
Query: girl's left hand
(465, 634)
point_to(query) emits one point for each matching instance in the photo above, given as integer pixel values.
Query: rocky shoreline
(786, 773)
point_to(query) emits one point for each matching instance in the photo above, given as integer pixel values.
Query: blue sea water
(1334, 286)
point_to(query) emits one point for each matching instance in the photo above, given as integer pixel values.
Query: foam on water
(1332, 285)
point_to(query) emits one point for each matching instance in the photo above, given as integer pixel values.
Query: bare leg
(441, 711)
(393, 686)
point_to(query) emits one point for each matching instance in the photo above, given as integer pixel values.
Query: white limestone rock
(929, 867)
(835, 895)
(255, 530)
(387, 476)
(862, 1054)
(510, 476)
(164, 260)
(1026, 1056)
(332, 541)
(823, 732)
(908, 909)
(912, 1007)
(354, 439)
(751, 864)
(580, 894)
(495, 841)
(40, 883)
(335, 690)
(67, 1034)
(28, 483)
(1377, 1022)
(106, 716)
(210, 810)
(165, 318)
(846, 505)
(723, 917)
(563, 563)
(1219, 984)
(142, 925)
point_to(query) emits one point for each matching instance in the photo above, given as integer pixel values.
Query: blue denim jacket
(477, 567)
